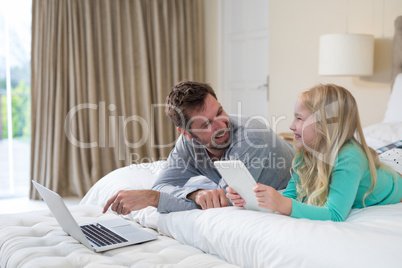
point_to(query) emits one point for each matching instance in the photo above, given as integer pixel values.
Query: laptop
(237, 176)
(98, 236)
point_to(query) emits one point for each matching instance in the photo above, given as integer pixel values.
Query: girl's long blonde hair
(336, 119)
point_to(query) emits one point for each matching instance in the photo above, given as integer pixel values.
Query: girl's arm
(345, 180)
(269, 198)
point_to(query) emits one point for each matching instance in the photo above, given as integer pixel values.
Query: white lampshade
(346, 54)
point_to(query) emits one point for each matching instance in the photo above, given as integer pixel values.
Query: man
(208, 134)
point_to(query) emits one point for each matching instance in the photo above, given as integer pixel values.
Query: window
(15, 108)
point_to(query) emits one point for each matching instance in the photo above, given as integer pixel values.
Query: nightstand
(287, 136)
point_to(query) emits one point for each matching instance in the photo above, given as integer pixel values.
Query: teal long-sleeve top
(350, 181)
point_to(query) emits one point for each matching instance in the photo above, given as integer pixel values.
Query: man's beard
(215, 146)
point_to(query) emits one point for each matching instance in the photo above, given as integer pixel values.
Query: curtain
(101, 71)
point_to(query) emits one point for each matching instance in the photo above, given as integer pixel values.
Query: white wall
(295, 28)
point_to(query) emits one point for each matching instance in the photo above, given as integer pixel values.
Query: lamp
(346, 54)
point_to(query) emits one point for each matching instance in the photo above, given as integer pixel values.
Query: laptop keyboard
(101, 236)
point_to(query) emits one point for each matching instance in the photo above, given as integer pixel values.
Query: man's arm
(214, 198)
(172, 181)
(177, 192)
(186, 197)
(125, 201)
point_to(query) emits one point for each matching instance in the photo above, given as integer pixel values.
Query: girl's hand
(269, 198)
(234, 197)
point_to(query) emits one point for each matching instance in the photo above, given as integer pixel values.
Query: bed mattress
(35, 239)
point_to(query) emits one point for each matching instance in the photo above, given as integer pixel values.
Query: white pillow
(394, 109)
(385, 132)
(133, 177)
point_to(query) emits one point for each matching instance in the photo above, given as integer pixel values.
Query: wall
(295, 28)
(211, 43)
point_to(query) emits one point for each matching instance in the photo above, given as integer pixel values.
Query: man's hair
(186, 96)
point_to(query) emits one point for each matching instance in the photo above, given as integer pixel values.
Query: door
(244, 51)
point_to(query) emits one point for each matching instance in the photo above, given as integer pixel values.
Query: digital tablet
(237, 176)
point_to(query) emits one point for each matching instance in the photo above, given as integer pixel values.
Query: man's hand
(234, 197)
(209, 198)
(126, 201)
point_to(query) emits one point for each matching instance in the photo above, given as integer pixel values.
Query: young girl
(333, 171)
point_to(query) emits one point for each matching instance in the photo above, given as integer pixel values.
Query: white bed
(226, 237)
(390, 129)
(36, 240)
(370, 237)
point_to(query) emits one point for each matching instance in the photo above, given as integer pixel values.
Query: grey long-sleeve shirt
(267, 157)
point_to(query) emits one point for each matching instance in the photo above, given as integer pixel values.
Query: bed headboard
(397, 49)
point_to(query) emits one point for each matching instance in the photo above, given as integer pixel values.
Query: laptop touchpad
(125, 229)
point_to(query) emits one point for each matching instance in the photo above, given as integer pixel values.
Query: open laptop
(98, 236)
(237, 176)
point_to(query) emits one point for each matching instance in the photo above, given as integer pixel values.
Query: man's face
(210, 125)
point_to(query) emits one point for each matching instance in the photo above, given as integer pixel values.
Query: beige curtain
(101, 71)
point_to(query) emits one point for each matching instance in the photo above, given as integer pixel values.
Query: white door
(244, 52)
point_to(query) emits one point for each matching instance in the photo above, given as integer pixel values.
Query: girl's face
(303, 126)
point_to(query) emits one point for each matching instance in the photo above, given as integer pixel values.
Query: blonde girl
(333, 170)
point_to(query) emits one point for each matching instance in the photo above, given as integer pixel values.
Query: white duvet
(370, 237)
